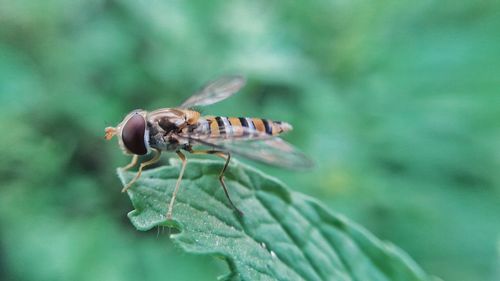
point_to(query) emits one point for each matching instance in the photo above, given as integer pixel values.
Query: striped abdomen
(218, 126)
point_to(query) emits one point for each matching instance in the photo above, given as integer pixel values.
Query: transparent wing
(215, 91)
(270, 150)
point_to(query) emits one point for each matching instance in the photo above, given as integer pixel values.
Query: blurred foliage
(397, 102)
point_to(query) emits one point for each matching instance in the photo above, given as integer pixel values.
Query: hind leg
(226, 156)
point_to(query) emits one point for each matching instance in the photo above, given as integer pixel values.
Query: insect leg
(151, 161)
(226, 156)
(131, 164)
(177, 184)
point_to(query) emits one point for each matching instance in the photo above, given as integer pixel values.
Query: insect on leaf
(283, 235)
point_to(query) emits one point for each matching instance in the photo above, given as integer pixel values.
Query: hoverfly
(182, 128)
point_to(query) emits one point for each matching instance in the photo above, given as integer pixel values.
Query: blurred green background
(397, 101)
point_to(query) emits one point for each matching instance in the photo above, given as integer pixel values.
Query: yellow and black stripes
(217, 126)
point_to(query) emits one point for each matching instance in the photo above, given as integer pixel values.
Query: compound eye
(133, 135)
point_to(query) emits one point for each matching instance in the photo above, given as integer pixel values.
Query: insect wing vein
(215, 91)
(270, 150)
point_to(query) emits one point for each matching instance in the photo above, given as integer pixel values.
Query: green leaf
(283, 235)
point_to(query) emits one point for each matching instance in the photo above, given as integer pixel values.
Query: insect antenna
(109, 132)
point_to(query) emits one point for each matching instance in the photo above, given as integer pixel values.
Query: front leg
(131, 164)
(153, 160)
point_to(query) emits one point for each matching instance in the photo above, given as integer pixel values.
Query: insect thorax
(163, 128)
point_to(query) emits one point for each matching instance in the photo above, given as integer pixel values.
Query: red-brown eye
(133, 135)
